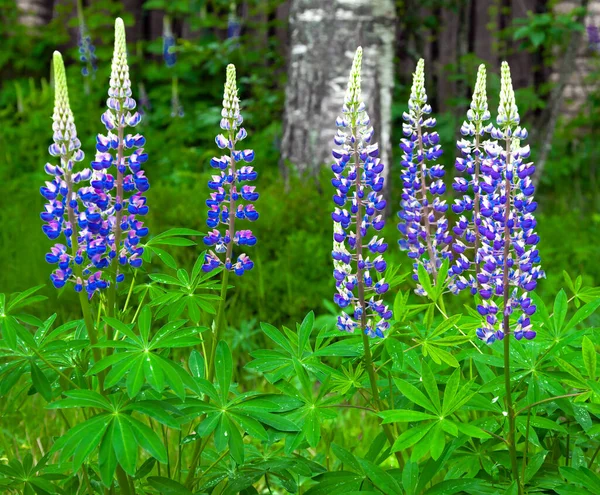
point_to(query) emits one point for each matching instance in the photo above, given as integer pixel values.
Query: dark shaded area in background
(293, 255)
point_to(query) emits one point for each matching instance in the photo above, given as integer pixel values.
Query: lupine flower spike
(422, 221)
(63, 209)
(358, 182)
(508, 256)
(232, 195)
(87, 51)
(170, 58)
(466, 231)
(121, 199)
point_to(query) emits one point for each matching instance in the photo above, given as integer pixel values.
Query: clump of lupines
(119, 191)
(508, 257)
(63, 207)
(422, 220)
(466, 230)
(358, 182)
(232, 194)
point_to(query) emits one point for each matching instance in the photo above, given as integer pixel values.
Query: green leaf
(147, 439)
(471, 430)
(153, 372)
(89, 440)
(208, 424)
(196, 364)
(546, 424)
(223, 368)
(450, 392)
(582, 314)
(411, 437)
(9, 331)
(347, 458)
(404, 416)
(123, 440)
(304, 331)
(40, 382)
(276, 336)
(560, 311)
(135, 379)
(167, 486)
(122, 328)
(446, 325)
(81, 398)
(236, 443)
(165, 257)
(533, 466)
(437, 440)
(382, 480)
(425, 281)
(413, 394)
(589, 357)
(430, 385)
(312, 428)
(145, 322)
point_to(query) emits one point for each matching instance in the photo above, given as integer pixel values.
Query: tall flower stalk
(467, 230)
(508, 257)
(231, 199)
(358, 182)
(422, 214)
(126, 153)
(63, 213)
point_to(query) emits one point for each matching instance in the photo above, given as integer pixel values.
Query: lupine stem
(426, 209)
(220, 320)
(123, 481)
(361, 294)
(112, 290)
(83, 300)
(506, 328)
(476, 204)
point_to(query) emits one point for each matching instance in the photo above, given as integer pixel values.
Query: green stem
(375, 393)
(512, 448)
(124, 486)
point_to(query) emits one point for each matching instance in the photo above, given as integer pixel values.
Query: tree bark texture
(323, 39)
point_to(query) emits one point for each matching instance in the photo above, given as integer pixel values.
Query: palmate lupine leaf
(138, 357)
(114, 431)
(228, 417)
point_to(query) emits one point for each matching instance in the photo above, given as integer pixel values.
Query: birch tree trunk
(35, 12)
(324, 37)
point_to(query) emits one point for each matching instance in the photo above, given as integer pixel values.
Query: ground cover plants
(142, 392)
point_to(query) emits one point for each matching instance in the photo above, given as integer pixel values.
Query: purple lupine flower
(230, 189)
(358, 206)
(594, 37)
(67, 209)
(508, 256)
(114, 226)
(422, 214)
(87, 50)
(466, 230)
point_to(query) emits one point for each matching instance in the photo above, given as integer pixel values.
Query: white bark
(324, 37)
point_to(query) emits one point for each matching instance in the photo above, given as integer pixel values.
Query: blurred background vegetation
(555, 72)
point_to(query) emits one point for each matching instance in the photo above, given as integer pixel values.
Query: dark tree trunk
(324, 36)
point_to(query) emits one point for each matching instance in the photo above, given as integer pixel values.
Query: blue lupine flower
(234, 27)
(358, 182)
(231, 197)
(87, 51)
(169, 55)
(119, 194)
(422, 220)
(66, 207)
(466, 230)
(508, 256)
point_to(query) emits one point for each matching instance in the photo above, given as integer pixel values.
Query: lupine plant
(389, 392)
(170, 59)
